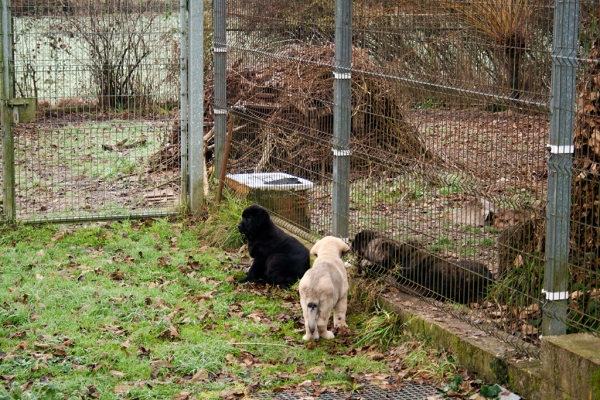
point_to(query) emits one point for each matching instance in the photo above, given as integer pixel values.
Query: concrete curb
(475, 350)
(568, 368)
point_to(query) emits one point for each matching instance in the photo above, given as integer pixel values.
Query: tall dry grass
(498, 47)
(507, 26)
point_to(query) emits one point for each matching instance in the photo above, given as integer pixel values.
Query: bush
(120, 39)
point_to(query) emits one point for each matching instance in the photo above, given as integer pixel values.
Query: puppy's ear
(315, 249)
(344, 248)
(261, 216)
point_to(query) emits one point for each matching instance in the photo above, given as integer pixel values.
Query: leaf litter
(113, 329)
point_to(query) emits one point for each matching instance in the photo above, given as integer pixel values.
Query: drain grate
(368, 392)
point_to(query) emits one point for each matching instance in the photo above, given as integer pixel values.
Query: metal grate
(409, 391)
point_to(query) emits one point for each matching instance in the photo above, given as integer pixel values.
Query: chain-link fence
(95, 96)
(448, 175)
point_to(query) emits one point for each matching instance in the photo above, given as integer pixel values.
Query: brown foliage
(523, 233)
(293, 100)
(585, 230)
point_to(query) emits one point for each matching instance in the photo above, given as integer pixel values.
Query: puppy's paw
(328, 335)
(310, 337)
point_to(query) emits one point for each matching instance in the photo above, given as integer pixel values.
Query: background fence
(96, 129)
(449, 113)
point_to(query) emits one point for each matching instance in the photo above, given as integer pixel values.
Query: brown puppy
(426, 274)
(324, 288)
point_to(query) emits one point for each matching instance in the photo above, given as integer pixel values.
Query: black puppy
(279, 259)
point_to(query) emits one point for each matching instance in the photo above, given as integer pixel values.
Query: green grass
(521, 285)
(443, 243)
(147, 310)
(382, 329)
(107, 164)
(388, 191)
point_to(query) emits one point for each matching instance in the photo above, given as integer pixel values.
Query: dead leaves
(317, 370)
(117, 276)
(170, 333)
(114, 330)
(200, 375)
(22, 346)
(183, 396)
(38, 354)
(232, 394)
(523, 321)
(122, 389)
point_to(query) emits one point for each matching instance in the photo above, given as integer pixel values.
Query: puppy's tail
(313, 314)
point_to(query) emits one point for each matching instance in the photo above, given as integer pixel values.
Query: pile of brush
(286, 111)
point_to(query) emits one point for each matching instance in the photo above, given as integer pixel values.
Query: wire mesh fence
(446, 174)
(449, 131)
(100, 84)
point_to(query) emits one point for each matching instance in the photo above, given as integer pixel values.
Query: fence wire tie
(340, 153)
(342, 75)
(555, 296)
(220, 111)
(219, 49)
(556, 149)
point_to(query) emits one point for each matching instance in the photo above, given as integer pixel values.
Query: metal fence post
(342, 95)
(183, 106)
(196, 104)
(558, 207)
(220, 71)
(8, 152)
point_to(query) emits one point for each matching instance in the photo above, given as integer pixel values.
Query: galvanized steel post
(342, 95)
(8, 152)
(558, 207)
(196, 104)
(183, 106)
(220, 71)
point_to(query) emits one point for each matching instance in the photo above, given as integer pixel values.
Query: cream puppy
(323, 288)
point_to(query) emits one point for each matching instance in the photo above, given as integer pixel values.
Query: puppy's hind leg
(256, 272)
(310, 312)
(324, 313)
(339, 312)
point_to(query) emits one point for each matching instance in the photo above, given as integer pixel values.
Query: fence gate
(94, 98)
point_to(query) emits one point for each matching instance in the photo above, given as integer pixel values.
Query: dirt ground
(89, 165)
(498, 158)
